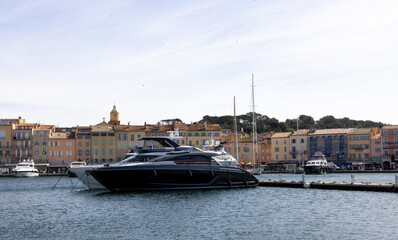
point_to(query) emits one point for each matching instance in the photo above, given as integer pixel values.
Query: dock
(351, 186)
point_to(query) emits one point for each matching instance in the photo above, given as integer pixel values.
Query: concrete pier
(375, 187)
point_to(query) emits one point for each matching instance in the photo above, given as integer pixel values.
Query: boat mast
(255, 142)
(236, 133)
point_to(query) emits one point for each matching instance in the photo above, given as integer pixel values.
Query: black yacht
(190, 170)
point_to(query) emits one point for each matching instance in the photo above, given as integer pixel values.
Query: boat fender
(230, 183)
(246, 184)
(212, 174)
(190, 173)
(307, 185)
(155, 174)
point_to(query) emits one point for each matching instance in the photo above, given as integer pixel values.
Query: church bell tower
(114, 116)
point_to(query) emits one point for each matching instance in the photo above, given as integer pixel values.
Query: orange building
(6, 138)
(22, 144)
(61, 148)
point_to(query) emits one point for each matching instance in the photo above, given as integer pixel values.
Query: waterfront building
(127, 139)
(280, 146)
(265, 148)
(299, 145)
(389, 141)
(61, 147)
(83, 144)
(359, 144)
(200, 133)
(6, 138)
(22, 142)
(331, 142)
(375, 149)
(40, 138)
(103, 143)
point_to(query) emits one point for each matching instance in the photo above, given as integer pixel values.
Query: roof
(377, 136)
(203, 127)
(332, 131)
(390, 127)
(301, 132)
(59, 135)
(281, 135)
(102, 128)
(356, 131)
(129, 128)
(44, 127)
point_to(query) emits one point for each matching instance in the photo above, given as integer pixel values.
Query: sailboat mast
(236, 133)
(255, 142)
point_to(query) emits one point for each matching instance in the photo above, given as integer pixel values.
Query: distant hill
(267, 124)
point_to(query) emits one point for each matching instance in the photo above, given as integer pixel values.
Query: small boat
(317, 165)
(194, 170)
(26, 168)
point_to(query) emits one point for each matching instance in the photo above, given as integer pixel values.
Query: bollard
(280, 177)
(352, 178)
(396, 180)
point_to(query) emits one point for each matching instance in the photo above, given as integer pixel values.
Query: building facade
(280, 146)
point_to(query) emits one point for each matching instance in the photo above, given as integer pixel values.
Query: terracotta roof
(332, 131)
(281, 135)
(203, 127)
(377, 136)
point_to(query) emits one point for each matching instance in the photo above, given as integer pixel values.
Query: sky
(68, 62)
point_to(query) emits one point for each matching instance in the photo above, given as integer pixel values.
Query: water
(30, 209)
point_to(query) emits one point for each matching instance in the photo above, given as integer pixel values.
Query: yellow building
(200, 133)
(83, 144)
(6, 138)
(280, 146)
(103, 143)
(40, 137)
(359, 143)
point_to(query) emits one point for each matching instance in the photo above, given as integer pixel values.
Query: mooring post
(352, 178)
(303, 177)
(396, 180)
(280, 177)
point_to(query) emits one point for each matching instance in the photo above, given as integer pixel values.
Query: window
(59, 153)
(69, 144)
(190, 134)
(103, 141)
(196, 134)
(132, 137)
(285, 149)
(293, 141)
(36, 141)
(284, 141)
(352, 138)
(103, 152)
(197, 142)
(276, 149)
(366, 146)
(203, 134)
(80, 144)
(87, 152)
(119, 136)
(302, 140)
(44, 141)
(216, 134)
(103, 134)
(365, 137)
(87, 144)
(276, 142)
(359, 137)
(56, 143)
(110, 141)
(110, 151)
(246, 149)
(2, 134)
(68, 153)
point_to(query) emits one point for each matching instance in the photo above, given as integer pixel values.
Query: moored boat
(193, 170)
(317, 165)
(26, 168)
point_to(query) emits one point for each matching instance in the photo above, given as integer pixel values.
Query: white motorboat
(317, 165)
(224, 158)
(26, 168)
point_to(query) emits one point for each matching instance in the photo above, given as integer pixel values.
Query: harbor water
(31, 209)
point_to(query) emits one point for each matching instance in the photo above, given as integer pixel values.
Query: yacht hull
(172, 177)
(25, 173)
(315, 170)
(88, 180)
